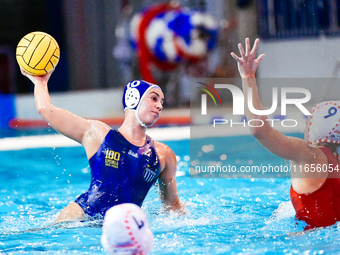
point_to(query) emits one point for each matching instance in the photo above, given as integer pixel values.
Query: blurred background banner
(96, 38)
(7, 109)
(296, 18)
(105, 44)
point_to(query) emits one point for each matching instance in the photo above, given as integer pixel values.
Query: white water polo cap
(126, 230)
(133, 95)
(324, 124)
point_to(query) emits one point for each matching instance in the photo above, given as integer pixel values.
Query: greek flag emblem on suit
(149, 174)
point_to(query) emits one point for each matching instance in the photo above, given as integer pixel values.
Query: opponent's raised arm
(247, 65)
(276, 142)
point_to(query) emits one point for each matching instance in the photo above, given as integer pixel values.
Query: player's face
(151, 106)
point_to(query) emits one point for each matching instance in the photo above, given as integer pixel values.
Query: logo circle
(132, 97)
(134, 84)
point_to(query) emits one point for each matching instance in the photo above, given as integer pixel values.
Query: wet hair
(332, 146)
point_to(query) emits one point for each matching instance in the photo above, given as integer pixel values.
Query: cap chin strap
(137, 117)
(137, 109)
(139, 120)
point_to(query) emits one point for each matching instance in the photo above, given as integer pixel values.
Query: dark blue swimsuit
(120, 173)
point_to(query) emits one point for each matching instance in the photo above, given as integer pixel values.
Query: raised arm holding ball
(315, 195)
(124, 163)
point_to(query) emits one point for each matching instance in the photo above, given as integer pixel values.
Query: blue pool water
(224, 216)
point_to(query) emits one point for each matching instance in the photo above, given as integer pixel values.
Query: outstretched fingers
(259, 58)
(247, 52)
(254, 49)
(242, 53)
(247, 62)
(247, 43)
(247, 58)
(237, 58)
(240, 48)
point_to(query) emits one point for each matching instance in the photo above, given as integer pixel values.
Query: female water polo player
(124, 163)
(315, 194)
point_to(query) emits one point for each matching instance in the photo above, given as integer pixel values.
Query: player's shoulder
(167, 157)
(162, 148)
(98, 128)
(102, 126)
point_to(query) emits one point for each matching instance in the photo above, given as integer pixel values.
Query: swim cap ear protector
(324, 124)
(133, 95)
(126, 230)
